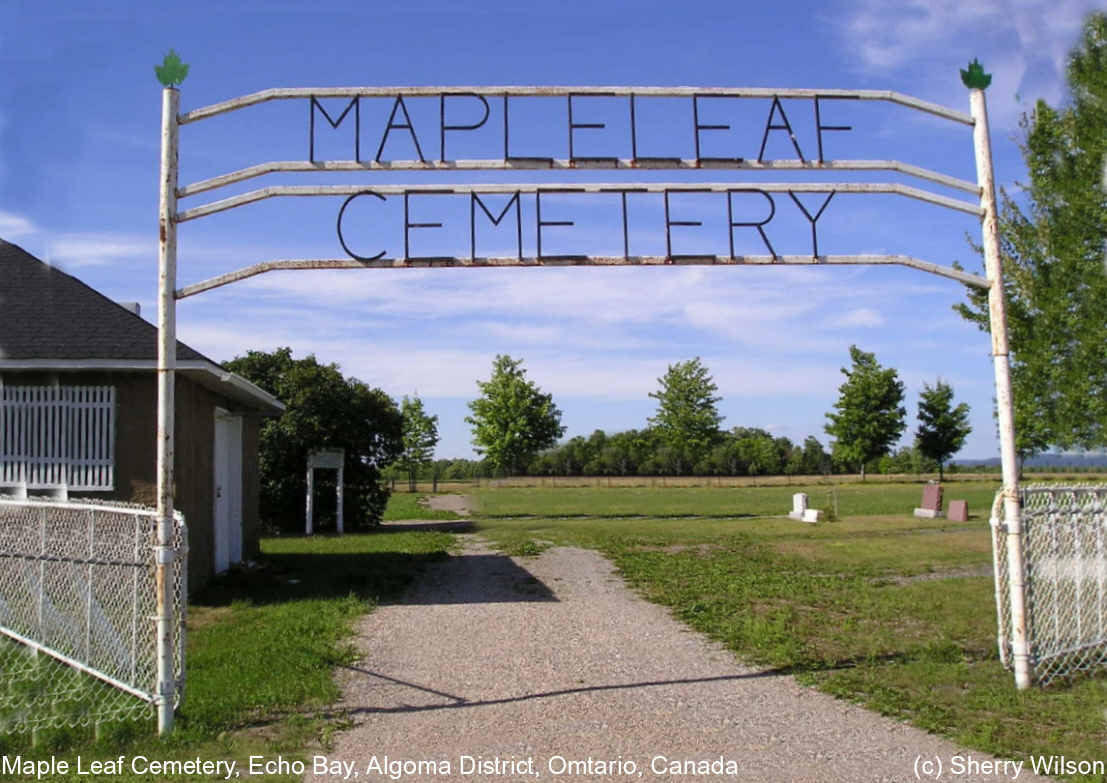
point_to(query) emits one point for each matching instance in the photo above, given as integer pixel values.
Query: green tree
(942, 427)
(870, 414)
(1052, 250)
(906, 459)
(420, 436)
(512, 420)
(687, 421)
(815, 460)
(324, 410)
(617, 457)
(725, 458)
(758, 453)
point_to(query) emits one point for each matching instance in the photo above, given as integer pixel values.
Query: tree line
(516, 428)
(582, 451)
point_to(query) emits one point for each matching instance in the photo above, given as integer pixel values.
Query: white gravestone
(799, 505)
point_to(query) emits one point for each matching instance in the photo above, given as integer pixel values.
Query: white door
(227, 454)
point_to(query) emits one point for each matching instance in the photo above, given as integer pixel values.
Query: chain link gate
(1064, 529)
(78, 642)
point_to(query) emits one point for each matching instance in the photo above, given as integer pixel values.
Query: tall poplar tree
(942, 427)
(687, 419)
(870, 414)
(420, 435)
(1052, 248)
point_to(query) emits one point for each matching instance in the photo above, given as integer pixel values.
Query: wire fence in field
(78, 642)
(430, 484)
(1065, 557)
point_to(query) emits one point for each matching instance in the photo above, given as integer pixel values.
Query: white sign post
(325, 459)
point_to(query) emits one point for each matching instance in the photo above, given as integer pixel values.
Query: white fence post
(339, 522)
(309, 526)
(167, 364)
(997, 313)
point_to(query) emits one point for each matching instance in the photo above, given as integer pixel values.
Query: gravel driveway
(498, 668)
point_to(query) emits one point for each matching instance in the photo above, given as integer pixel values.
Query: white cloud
(862, 316)
(534, 305)
(521, 333)
(13, 225)
(77, 250)
(399, 367)
(889, 34)
(1022, 43)
(585, 322)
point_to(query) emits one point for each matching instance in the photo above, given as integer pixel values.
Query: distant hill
(1059, 459)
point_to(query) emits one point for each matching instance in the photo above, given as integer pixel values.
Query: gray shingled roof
(47, 314)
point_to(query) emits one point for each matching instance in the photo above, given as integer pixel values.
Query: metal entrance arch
(983, 205)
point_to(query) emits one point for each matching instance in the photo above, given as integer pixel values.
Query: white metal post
(997, 313)
(167, 363)
(338, 508)
(309, 526)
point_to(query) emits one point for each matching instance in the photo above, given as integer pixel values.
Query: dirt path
(550, 667)
(459, 504)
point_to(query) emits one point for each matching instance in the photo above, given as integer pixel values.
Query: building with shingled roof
(78, 412)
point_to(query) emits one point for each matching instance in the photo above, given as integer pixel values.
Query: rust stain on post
(997, 315)
(167, 362)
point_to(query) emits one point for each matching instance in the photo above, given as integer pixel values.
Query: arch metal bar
(583, 187)
(693, 164)
(485, 263)
(283, 93)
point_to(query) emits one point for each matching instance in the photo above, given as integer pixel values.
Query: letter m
(474, 201)
(355, 104)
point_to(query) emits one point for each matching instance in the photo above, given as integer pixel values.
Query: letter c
(342, 239)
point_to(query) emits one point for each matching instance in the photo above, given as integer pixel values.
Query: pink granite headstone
(958, 511)
(931, 502)
(932, 497)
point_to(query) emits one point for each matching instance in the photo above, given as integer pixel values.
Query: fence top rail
(1054, 489)
(87, 504)
(284, 93)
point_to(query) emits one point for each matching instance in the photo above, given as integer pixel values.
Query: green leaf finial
(974, 77)
(172, 71)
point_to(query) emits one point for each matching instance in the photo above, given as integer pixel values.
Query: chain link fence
(77, 605)
(1065, 555)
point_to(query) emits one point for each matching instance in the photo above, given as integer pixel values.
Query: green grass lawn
(263, 647)
(880, 608)
(893, 612)
(718, 502)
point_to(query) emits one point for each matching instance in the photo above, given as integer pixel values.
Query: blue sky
(79, 134)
